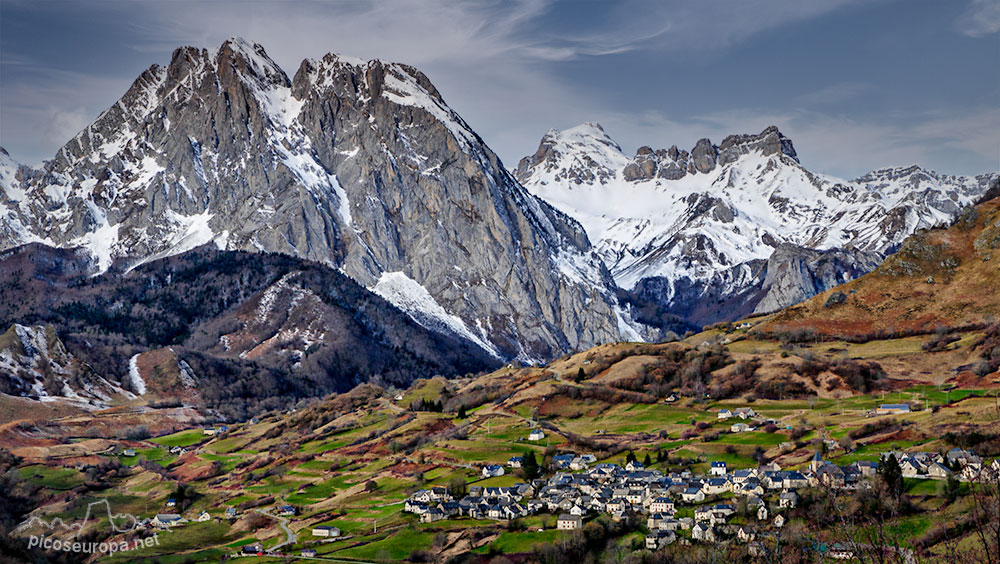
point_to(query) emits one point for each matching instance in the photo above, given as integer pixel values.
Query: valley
(350, 461)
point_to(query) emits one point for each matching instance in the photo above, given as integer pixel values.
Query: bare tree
(985, 515)
(863, 525)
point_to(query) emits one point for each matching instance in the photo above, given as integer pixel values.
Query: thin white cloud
(982, 17)
(716, 25)
(833, 94)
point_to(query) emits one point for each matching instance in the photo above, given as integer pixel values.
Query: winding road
(291, 537)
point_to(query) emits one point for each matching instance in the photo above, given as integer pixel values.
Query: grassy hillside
(939, 279)
(351, 460)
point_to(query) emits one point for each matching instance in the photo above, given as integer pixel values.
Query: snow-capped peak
(253, 59)
(584, 154)
(587, 134)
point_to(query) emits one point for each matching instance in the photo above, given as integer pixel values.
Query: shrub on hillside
(939, 342)
(798, 432)
(781, 388)
(860, 376)
(874, 428)
(989, 348)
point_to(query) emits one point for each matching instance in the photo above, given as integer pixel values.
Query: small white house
(634, 466)
(936, 470)
(492, 471)
(536, 435)
(204, 516)
(693, 495)
(659, 539)
(718, 469)
(128, 452)
(788, 499)
(911, 468)
(740, 428)
(703, 532)
(325, 531)
(569, 522)
(167, 520)
(431, 515)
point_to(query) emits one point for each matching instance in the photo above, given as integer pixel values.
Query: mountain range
(349, 210)
(723, 231)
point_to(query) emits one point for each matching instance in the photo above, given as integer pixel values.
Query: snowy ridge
(736, 208)
(402, 88)
(406, 294)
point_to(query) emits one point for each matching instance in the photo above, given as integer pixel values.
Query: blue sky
(856, 84)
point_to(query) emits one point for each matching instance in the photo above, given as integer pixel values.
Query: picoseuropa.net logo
(119, 522)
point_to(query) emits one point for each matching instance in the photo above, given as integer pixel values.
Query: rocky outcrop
(794, 274)
(790, 275)
(586, 142)
(359, 165)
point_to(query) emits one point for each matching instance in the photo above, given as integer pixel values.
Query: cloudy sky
(856, 84)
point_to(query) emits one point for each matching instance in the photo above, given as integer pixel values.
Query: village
(743, 505)
(744, 477)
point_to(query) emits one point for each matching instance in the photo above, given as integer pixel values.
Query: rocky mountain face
(231, 331)
(358, 165)
(727, 230)
(790, 275)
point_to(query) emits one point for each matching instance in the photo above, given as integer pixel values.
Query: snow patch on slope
(626, 327)
(134, 378)
(402, 88)
(187, 232)
(406, 294)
